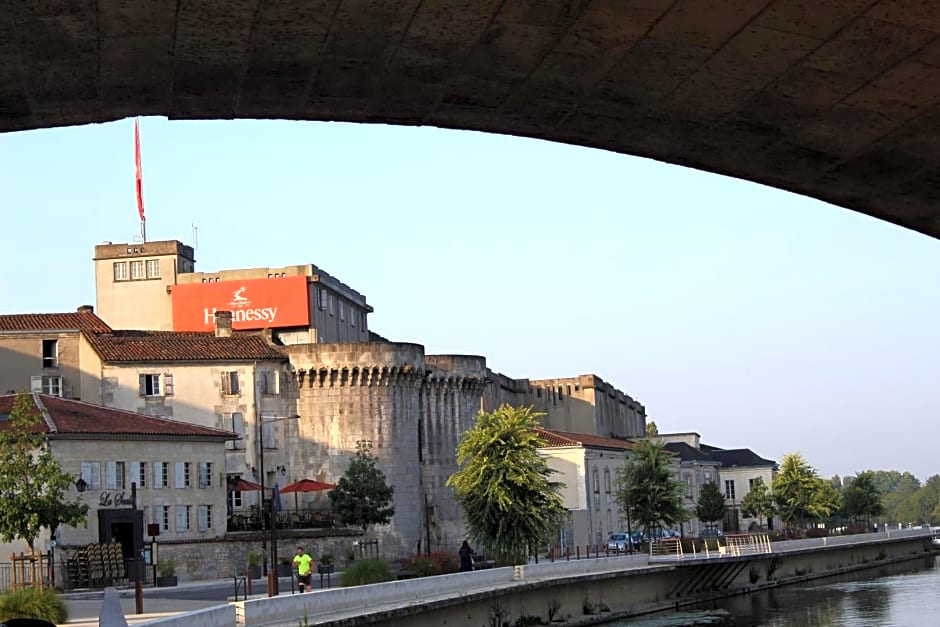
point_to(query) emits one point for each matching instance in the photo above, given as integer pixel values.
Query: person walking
(466, 557)
(304, 565)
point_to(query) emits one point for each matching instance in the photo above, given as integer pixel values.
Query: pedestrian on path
(304, 565)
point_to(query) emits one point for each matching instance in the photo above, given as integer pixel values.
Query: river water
(901, 596)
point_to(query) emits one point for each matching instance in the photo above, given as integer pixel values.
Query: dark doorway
(127, 527)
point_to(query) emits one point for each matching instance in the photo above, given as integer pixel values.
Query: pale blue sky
(755, 317)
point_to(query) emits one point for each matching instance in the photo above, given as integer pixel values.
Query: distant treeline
(903, 498)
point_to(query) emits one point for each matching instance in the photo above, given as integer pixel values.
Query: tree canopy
(32, 484)
(646, 490)
(861, 498)
(509, 503)
(801, 494)
(710, 506)
(758, 502)
(362, 497)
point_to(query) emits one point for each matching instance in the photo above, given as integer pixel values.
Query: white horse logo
(237, 296)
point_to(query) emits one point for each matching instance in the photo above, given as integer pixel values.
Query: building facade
(289, 350)
(175, 470)
(588, 466)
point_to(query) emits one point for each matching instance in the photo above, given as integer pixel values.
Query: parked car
(710, 532)
(618, 542)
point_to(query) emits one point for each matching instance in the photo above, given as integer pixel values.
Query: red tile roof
(77, 321)
(564, 438)
(76, 418)
(166, 346)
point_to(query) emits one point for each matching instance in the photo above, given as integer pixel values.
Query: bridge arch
(839, 103)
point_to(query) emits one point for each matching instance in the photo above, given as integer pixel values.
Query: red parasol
(307, 485)
(243, 485)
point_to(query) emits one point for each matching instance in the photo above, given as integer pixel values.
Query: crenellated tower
(411, 409)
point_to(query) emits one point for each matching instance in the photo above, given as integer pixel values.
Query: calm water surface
(900, 596)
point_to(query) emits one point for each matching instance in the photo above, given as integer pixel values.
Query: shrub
(166, 567)
(33, 603)
(363, 572)
(437, 563)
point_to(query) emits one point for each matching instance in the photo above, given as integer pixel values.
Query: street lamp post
(270, 573)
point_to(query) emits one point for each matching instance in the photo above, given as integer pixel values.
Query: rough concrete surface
(836, 100)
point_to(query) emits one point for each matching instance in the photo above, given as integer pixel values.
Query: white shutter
(182, 518)
(135, 474)
(142, 385)
(180, 475)
(110, 471)
(158, 474)
(95, 483)
(35, 384)
(238, 426)
(270, 435)
(203, 518)
(86, 473)
(168, 385)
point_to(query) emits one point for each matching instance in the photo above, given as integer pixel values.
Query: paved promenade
(85, 607)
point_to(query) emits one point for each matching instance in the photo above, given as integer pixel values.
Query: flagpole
(138, 182)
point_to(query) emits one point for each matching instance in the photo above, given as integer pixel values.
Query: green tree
(801, 495)
(651, 429)
(503, 486)
(710, 506)
(646, 489)
(758, 502)
(32, 483)
(861, 499)
(362, 497)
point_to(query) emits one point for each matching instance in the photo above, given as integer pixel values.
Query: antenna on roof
(195, 236)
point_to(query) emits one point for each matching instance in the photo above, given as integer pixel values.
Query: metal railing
(286, 519)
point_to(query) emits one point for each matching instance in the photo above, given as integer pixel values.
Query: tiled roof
(689, 453)
(76, 418)
(564, 438)
(740, 457)
(168, 346)
(78, 320)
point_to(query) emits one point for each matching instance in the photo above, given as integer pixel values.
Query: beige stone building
(734, 470)
(154, 286)
(178, 469)
(582, 404)
(224, 380)
(295, 354)
(588, 465)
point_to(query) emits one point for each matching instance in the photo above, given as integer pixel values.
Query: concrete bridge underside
(836, 100)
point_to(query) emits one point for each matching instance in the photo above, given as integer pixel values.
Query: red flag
(140, 188)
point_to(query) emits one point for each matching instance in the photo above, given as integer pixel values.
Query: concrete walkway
(85, 607)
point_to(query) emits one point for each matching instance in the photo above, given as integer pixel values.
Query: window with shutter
(205, 517)
(110, 471)
(236, 423)
(230, 383)
(269, 430)
(180, 473)
(148, 385)
(205, 478)
(182, 518)
(91, 474)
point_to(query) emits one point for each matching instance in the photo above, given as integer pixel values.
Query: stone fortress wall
(410, 409)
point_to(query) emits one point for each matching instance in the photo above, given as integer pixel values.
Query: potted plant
(325, 565)
(285, 566)
(253, 560)
(166, 573)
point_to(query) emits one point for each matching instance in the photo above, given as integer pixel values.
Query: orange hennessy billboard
(254, 303)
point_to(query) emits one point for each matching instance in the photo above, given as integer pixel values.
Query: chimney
(86, 309)
(223, 324)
